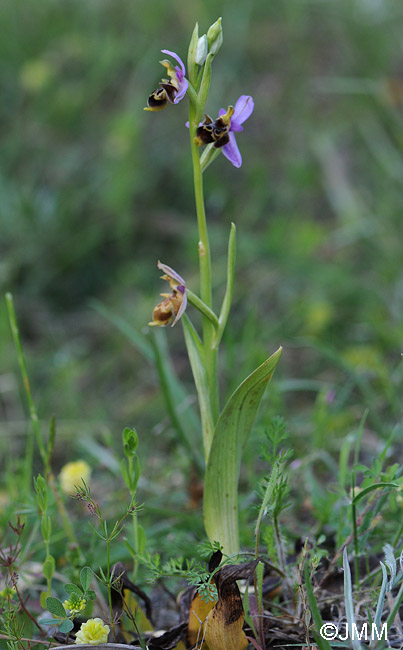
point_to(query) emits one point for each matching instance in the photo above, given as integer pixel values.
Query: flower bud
(202, 50)
(214, 37)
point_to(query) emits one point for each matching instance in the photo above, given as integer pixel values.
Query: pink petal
(235, 126)
(177, 58)
(183, 86)
(232, 152)
(243, 109)
(181, 308)
(171, 273)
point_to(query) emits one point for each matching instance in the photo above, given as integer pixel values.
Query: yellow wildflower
(72, 474)
(75, 604)
(93, 631)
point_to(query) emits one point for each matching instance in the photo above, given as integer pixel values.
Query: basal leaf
(222, 473)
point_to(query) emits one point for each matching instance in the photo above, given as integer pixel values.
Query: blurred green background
(93, 191)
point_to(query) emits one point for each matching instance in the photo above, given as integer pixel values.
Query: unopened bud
(214, 37)
(202, 49)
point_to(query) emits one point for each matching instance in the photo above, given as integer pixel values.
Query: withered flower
(174, 304)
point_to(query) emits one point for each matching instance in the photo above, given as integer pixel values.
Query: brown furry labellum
(216, 131)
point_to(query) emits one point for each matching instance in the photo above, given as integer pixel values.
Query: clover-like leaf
(66, 626)
(86, 576)
(55, 607)
(73, 589)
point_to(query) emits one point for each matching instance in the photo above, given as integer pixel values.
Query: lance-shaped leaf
(222, 473)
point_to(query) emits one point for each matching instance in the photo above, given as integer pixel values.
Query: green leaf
(48, 621)
(141, 540)
(48, 568)
(90, 595)
(226, 305)
(321, 642)
(66, 626)
(86, 576)
(222, 473)
(73, 589)
(55, 607)
(370, 488)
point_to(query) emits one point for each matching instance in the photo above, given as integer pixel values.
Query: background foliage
(93, 191)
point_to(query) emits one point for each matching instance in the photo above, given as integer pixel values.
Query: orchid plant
(225, 431)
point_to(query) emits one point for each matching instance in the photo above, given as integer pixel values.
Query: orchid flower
(174, 304)
(221, 131)
(172, 89)
(242, 110)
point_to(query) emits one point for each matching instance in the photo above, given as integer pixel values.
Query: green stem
(21, 360)
(210, 352)
(204, 245)
(136, 544)
(108, 573)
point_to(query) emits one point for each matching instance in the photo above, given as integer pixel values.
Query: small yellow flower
(94, 632)
(72, 475)
(75, 604)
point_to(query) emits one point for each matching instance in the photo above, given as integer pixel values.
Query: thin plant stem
(108, 573)
(209, 331)
(21, 360)
(136, 544)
